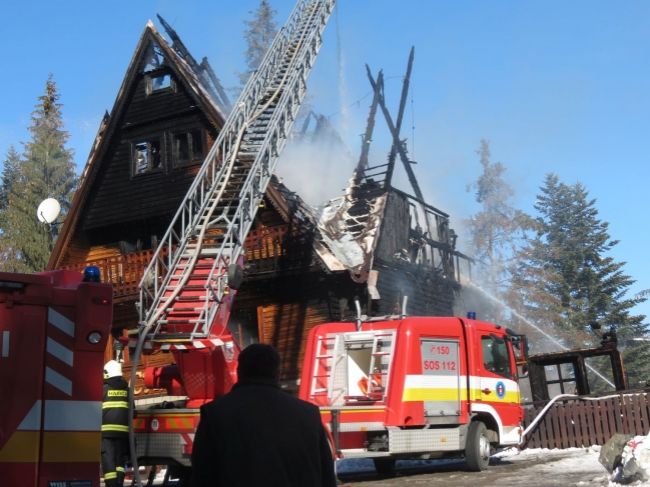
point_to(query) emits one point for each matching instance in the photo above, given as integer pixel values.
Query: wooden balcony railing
(263, 249)
(123, 271)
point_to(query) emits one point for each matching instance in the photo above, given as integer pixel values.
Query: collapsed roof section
(373, 220)
(202, 73)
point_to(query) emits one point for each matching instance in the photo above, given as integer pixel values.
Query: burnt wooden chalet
(300, 270)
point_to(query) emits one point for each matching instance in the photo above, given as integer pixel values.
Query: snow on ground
(512, 467)
(532, 467)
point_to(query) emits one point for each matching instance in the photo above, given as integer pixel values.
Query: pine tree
(494, 230)
(10, 173)
(259, 34)
(47, 171)
(567, 281)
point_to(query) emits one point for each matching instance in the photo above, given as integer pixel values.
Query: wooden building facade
(165, 118)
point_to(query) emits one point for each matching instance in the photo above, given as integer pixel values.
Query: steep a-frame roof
(150, 41)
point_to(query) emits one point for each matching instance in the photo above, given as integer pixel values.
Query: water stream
(498, 301)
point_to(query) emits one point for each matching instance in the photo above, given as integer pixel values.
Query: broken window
(146, 156)
(153, 58)
(187, 147)
(160, 82)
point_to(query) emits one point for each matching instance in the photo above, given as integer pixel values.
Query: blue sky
(555, 86)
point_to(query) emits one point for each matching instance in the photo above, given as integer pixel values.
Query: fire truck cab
(415, 387)
(53, 332)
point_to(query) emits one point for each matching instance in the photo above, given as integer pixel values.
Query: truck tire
(384, 466)
(477, 448)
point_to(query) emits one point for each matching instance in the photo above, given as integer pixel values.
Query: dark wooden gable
(159, 141)
(145, 156)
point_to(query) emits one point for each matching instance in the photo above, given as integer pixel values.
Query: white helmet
(112, 368)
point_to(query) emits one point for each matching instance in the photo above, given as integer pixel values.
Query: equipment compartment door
(441, 377)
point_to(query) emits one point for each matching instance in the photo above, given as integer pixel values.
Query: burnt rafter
(398, 146)
(400, 117)
(362, 165)
(204, 70)
(374, 221)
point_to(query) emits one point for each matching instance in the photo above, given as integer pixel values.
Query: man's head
(259, 361)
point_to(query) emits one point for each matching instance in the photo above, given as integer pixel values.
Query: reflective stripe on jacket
(115, 407)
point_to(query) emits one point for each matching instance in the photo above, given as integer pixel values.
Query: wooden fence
(578, 423)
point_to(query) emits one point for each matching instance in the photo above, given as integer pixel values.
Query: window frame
(149, 82)
(495, 339)
(135, 142)
(189, 133)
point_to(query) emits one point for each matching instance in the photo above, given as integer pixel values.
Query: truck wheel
(477, 448)
(384, 466)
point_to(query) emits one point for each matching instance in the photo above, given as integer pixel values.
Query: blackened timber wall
(288, 307)
(428, 292)
(394, 230)
(118, 195)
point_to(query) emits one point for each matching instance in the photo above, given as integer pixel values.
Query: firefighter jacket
(115, 408)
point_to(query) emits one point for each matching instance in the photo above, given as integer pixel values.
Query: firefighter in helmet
(115, 429)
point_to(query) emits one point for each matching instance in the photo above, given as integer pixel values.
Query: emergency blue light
(471, 315)
(91, 274)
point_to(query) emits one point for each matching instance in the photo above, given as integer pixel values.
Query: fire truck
(415, 387)
(53, 333)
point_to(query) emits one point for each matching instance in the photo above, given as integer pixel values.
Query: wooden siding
(394, 230)
(584, 423)
(286, 326)
(289, 306)
(429, 294)
(118, 196)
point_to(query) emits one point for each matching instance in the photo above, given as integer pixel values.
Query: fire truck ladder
(184, 290)
(326, 348)
(380, 359)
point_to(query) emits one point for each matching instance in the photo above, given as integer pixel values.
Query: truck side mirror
(520, 348)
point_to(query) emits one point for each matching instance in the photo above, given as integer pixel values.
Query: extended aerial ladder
(187, 290)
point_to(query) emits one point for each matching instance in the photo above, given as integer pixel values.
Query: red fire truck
(53, 333)
(415, 387)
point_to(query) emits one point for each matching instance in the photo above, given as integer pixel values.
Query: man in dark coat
(258, 435)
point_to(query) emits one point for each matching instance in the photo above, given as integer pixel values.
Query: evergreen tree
(259, 34)
(47, 171)
(566, 280)
(494, 230)
(10, 173)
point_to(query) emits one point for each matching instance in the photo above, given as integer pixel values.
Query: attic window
(187, 147)
(146, 156)
(160, 82)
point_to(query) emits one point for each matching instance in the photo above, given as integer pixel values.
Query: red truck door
(498, 389)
